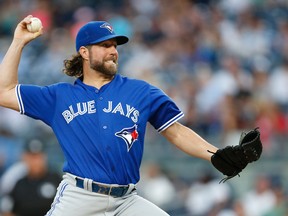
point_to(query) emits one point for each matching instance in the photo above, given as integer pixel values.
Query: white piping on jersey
(19, 99)
(170, 122)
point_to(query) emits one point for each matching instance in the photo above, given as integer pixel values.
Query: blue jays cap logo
(107, 26)
(129, 135)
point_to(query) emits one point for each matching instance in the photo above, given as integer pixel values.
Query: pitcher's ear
(84, 52)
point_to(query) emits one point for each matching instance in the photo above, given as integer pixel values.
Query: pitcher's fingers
(25, 21)
(38, 33)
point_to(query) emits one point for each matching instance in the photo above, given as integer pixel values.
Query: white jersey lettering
(82, 112)
(119, 109)
(130, 111)
(135, 116)
(81, 109)
(109, 109)
(67, 116)
(91, 107)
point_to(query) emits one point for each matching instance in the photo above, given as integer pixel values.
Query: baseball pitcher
(100, 122)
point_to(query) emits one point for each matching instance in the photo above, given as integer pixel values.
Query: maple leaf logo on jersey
(107, 26)
(129, 135)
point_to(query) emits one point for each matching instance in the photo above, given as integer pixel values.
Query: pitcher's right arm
(10, 63)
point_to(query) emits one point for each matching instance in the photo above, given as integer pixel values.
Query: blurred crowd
(224, 62)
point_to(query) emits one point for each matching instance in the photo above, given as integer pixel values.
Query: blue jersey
(101, 131)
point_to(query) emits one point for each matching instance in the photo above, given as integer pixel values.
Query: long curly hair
(74, 67)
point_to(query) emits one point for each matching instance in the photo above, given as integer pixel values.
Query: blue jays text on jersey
(89, 108)
(101, 131)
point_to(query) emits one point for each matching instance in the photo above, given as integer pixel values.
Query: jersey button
(97, 91)
(105, 127)
(101, 98)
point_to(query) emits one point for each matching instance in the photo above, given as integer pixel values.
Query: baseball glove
(231, 160)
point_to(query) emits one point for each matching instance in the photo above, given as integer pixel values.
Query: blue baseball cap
(96, 32)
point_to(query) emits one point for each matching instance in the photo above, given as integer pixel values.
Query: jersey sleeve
(36, 101)
(163, 110)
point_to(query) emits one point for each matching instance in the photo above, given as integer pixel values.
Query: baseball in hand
(35, 25)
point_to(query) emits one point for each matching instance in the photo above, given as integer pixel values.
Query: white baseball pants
(74, 201)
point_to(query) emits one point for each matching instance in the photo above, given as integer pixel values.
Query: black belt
(115, 191)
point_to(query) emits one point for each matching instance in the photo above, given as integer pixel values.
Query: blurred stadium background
(224, 62)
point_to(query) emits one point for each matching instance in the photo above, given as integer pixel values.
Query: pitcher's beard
(107, 69)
